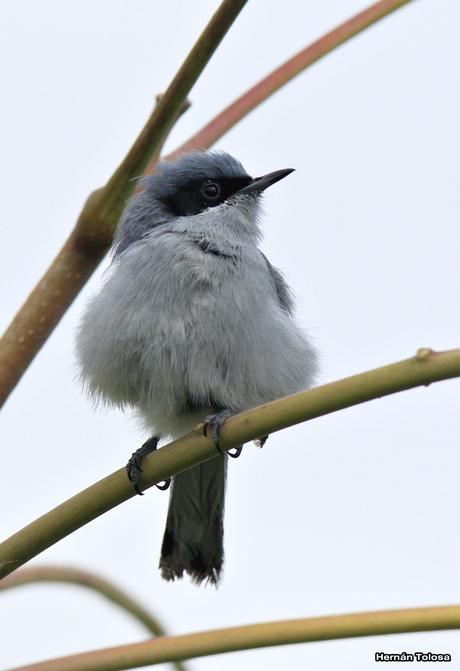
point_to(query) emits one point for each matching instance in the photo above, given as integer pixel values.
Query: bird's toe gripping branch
(133, 467)
(213, 425)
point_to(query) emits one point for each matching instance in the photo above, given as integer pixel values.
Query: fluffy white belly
(185, 335)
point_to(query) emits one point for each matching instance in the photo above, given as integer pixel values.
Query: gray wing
(285, 295)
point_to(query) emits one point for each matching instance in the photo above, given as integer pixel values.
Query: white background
(355, 511)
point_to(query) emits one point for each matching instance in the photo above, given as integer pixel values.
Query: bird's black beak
(259, 184)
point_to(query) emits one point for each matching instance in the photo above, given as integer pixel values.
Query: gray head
(188, 187)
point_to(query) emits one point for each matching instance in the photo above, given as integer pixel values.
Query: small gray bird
(193, 324)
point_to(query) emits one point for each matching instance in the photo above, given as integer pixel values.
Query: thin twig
(89, 242)
(231, 639)
(76, 576)
(94, 582)
(94, 229)
(423, 369)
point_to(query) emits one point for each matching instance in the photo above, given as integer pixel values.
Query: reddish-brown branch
(246, 103)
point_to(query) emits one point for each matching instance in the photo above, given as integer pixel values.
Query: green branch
(92, 235)
(94, 229)
(426, 367)
(231, 639)
(97, 226)
(75, 576)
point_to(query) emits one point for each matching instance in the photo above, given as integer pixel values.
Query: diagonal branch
(423, 369)
(247, 637)
(251, 99)
(92, 581)
(94, 229)
(91, 238)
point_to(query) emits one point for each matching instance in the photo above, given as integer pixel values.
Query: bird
(193, 324)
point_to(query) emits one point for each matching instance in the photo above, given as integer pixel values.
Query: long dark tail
(194, 534)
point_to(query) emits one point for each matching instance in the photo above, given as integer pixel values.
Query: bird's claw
(235, 452)
(133, 470)
(213, 424)
(133, 467)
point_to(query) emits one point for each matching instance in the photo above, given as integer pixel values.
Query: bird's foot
(235, 452)
(213, 425)
(133, 467)
(260, 442)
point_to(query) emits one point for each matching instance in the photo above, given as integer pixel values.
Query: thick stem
(231, 639)
(423, 369)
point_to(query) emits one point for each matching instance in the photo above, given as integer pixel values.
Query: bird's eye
(210, 190)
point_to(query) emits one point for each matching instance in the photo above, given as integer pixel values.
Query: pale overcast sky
(355, 511)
